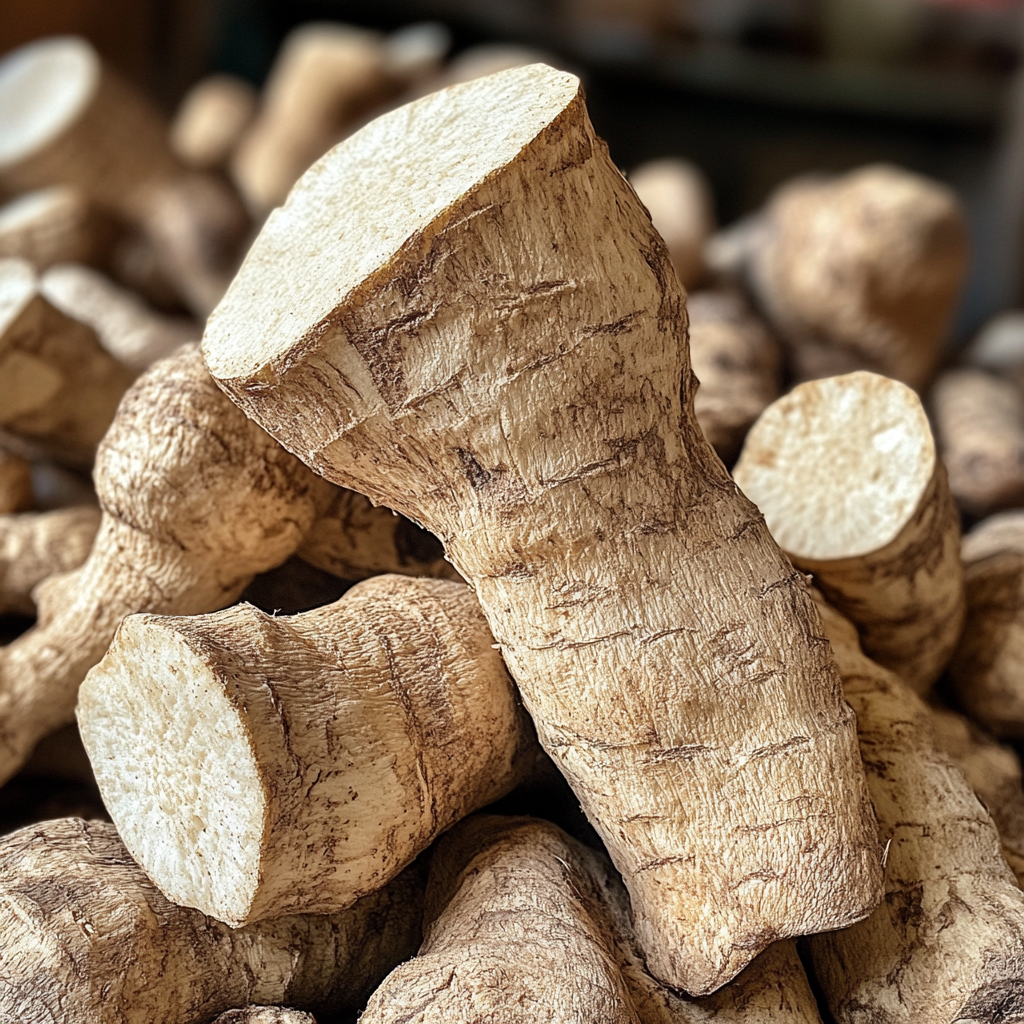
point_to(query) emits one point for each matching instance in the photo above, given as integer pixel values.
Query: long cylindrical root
(134, 334)
(86, 936)
(948, 942)
(352, 734)
(859, 272)
(993, 771)
(65, 118)
(54, 225)
(979, 421)
(196, 500)
(15, 483)
(678, 198)
(846, 473)
(211, 121)
(986, 670)
(35, 545)
(510, 379)
(737, 363)
(59, 388)
(517, 899)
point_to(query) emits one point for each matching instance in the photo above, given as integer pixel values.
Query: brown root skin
(979, 422)
(861, 271)
(846, 473)
(737, 363)
(211, 120)
(531, 416)
(85, 936)
(265, 1015)
(59, 388)
(948, 941)
(353, 736)
(517, 899)
(35, 545)
(196, 500)
(15, 483)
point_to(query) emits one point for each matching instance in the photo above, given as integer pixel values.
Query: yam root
(59, 388)
(517, 899)
(737, 363)
(131, 332)
(352, 735)
(846, 473)
(54, 225)
(15, 483)
(265, 1015)
(999, 347)
(859, 272)
(211, 120)
(502, 364)
(979, 421)
(65, 118)
(36, 545)
(196, 499)
(948, 941)
(678, 198)
(986, 669)
(86, 936)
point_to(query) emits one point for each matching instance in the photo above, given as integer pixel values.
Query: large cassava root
(516, 899)
(54, 225)
(948, 941)
(847, 475)
(506, 398)
(352, 735)
(85, 936)
(196, 500)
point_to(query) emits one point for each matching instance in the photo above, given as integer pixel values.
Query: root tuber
(846, 473)
(15, 483)
(211, 120)
(54, 225)
(265, 1015)
(494, 345)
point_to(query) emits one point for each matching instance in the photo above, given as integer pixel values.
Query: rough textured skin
(947, 944)
(526, 924)
(85, 936)
(116, 151)
(737, 363)
(993, 771)
(979, 421)
(986, 670)
(374, 723)
(846, 473)
(513, 375)
(54, 225)
(196, 500)
(35, 545)
(860, 271)
(59, 388)
(355, 539)
(128, 329)
(15, 483)
(211, 121)
(265, 1015)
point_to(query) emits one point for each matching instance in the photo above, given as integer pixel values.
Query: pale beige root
(54, 225)
(134, 334)
(354, 539)
(860, 272)
(15, 483)
(494, 346)
(737, 362)
(678, 198)
(211, 120)
(35, 545)
(979, 421)
(846, 473)
(325, 75)
(993, 771)
(337, 744)
(414, 53)
(59, 388)
(987, 670)
(65, 118)
(85, 936)
(947, 944)
(196, 500)
(999, 347)
(265, 1015)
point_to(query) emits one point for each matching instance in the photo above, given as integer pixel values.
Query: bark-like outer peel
(948, 942)
(86, 937)
(505, 363)
(15, 483)
(369, 725)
